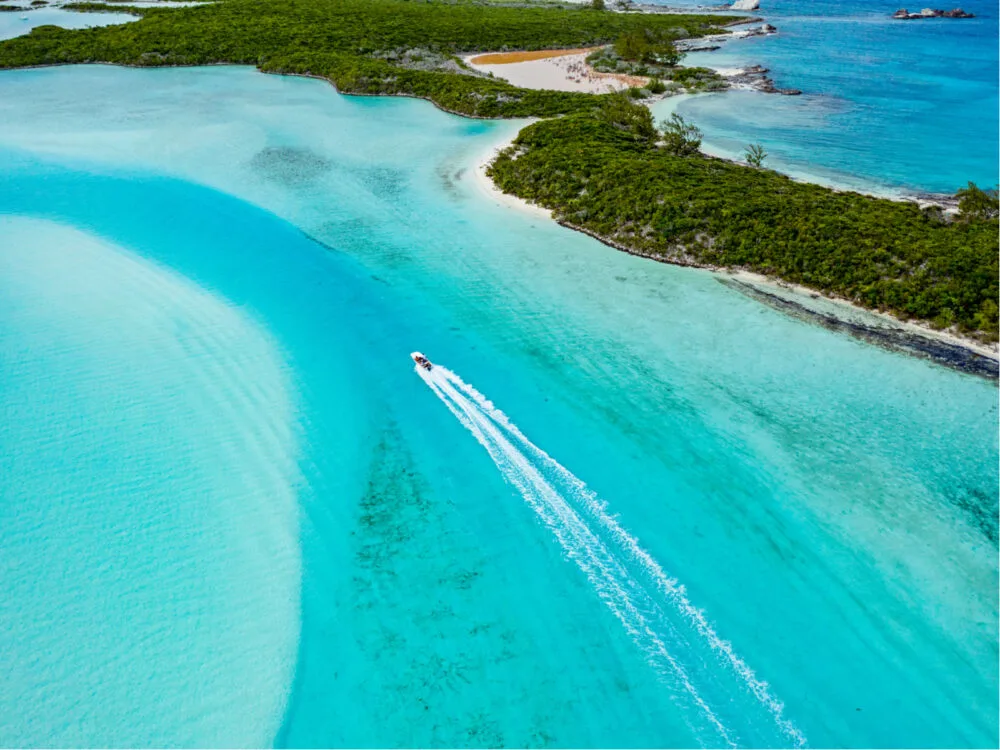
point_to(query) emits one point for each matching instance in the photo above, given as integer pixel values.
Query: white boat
(421, 360)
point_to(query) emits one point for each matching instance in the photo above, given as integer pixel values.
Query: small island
(904, 15)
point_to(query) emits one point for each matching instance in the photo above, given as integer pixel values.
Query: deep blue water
(233, 513)
(909, 106)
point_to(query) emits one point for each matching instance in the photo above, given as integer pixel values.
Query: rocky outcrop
(763, 30)
(713, 41)
(755, 78)
(891, 337)
(904, 15)
(745, 5)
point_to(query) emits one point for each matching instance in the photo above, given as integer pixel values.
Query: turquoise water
(16, 23)
(909, 106)
(234, 513)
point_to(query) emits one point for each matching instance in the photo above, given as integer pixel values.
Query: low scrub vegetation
(612, 174)
(355, 44)
(604, 166)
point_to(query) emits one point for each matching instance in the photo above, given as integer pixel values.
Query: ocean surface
(19, 23)
(887, 105)
(629, 507)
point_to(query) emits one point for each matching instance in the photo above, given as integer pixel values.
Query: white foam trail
(552, 491)
(590, 554)
(665, 583)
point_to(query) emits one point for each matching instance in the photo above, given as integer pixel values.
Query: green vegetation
(755, 154)
(648, 46)
(350, 42)
(635, 55)
(607, 174)
(698, 79)
(976, 204)
(602, 167)
(680, 138)
(631, 121)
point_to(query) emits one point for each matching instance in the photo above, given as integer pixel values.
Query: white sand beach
(485, 186)
(552, 70)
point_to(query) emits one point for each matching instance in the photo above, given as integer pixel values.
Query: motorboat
(421, 360)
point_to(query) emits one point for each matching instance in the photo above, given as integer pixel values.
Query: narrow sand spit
(487, 188)
(552, 70)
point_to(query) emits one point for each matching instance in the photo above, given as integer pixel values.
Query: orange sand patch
(501, 58)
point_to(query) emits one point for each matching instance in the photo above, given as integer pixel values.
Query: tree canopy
(693, 209)
(602, 166)
(976, 204)
(352, 43)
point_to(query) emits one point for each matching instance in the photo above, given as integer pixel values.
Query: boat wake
(719, 696)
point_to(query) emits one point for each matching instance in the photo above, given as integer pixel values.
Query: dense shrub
(596, 173)
(601, 166)
(347, 41)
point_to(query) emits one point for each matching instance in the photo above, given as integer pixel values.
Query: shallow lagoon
(17, 23)
(830, 506)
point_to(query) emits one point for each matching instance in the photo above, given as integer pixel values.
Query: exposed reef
(891, 337)
(714, 41)
(755, 78)
(904, 15)
(894, 338)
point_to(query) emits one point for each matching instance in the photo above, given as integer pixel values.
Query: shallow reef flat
(349, 556)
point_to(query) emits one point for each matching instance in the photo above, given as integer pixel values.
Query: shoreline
(844, 185)
(810, 299)
(834, 180)
(488, 189)
(883, 329)
(905, 337)
(258, 69)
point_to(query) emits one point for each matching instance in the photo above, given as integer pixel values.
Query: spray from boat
(705, 675)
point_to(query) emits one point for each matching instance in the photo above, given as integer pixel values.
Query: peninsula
(597, 160)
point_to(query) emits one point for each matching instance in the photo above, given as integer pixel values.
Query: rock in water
(745, 5)
(905, 15)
